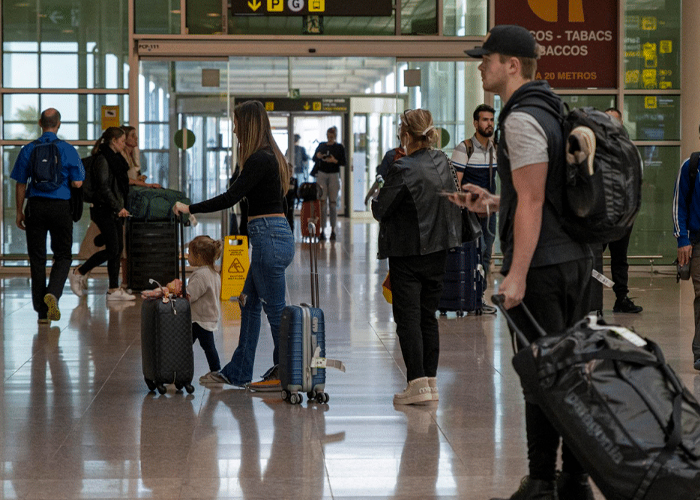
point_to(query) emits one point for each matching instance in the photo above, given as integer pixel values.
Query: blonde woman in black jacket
(417, 227)
(110, 184)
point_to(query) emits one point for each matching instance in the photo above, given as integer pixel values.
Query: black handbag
(310, 191)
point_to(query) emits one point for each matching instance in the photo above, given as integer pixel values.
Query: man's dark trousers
(48, 216)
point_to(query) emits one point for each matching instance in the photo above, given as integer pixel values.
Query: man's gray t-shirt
(526, 140)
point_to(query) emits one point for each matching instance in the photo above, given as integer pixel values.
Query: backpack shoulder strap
(470, 147)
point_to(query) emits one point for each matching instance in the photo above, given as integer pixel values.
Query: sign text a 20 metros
(579, 39)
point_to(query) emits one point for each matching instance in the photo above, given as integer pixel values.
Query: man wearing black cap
(543, 267)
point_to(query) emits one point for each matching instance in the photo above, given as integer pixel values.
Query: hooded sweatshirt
(554, 245)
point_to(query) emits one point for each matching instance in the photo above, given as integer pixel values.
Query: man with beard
(474, 160)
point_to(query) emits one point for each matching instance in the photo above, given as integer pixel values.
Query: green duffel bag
(149, 204)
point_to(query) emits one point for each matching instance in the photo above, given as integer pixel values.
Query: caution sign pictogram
(234, 268)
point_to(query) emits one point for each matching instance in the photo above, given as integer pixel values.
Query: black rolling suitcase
(151, 248)
(166, 338)
(620, 408)
(303, 360)
(463, 285)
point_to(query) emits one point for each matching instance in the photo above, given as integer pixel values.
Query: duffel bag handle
(499, 301)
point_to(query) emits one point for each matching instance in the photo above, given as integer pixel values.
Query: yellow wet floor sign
(234, 267)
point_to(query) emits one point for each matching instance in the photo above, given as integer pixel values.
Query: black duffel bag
(618, 406)
(310, 191)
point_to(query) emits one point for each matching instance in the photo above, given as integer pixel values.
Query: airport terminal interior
(78, 421)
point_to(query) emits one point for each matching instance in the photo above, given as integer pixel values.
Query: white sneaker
(120, 294)
(212, 378)
(76, 284)
(432, 383)
(417, 391)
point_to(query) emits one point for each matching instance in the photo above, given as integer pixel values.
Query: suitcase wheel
(295, 399)
(443, 312)
(322, 397)
(151, 384)
(189, 388)
(178, 387)
(161, 389)
(460, 314)
(311, 395)
(285, 395)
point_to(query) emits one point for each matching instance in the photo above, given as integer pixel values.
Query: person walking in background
(204, 290)
(686, 229)
(417, 227)
(264, 180)
(300, 161)
(133, 158)
(619, 268)
(328, 158)
(110, 185)
(474, 160)
(543, 267)
(47, 191)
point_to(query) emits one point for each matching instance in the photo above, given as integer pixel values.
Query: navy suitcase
(463, 285)
(622, 411)
(166, 339)
(303, 344)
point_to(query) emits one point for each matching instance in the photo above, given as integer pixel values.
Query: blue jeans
(272, 244)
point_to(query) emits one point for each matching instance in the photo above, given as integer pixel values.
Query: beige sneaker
(432, 382)
(417, 391)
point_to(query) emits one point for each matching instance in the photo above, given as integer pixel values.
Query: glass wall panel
(65, 51)
(157, 17)
(80, 114)
(653, 229)
(419, 17)
(342, 75)
(259, 75)
(450, 90)
(360, 26)
(465, 17)
(653, 118)
(204, 17)
(28, 77)
(652, 44)
(263, 25)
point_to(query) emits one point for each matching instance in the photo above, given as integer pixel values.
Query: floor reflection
(78, 421)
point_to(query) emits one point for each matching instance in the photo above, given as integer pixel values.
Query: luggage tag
(318, 362)
(623, 332)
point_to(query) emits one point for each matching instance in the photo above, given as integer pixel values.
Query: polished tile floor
(78, 421)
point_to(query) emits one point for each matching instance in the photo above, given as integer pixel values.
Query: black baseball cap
(509, 40)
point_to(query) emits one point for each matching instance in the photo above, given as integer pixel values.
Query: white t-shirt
(204, 289)
(526, 140)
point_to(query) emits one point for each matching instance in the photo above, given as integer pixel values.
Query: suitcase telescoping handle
(181, 221)
(313, 253)
(499, 300)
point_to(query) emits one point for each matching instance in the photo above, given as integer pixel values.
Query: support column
(690, 69)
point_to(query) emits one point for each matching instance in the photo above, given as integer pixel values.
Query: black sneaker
(332, 235)
(574, 486)
(625, 305)
(534, 489)
(322, 236)
(696, 365)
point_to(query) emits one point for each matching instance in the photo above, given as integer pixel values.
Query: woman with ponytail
(263, 181)
(417, 227)
(110, 185)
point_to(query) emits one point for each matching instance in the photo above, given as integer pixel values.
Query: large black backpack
(45, 166)
(603, 177)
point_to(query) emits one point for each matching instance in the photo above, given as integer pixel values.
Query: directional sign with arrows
(370, 8)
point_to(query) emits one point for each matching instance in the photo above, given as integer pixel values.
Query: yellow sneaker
(54, 313)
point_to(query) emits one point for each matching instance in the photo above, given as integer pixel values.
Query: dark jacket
(415, 219)
(110, 177)
(554, 246)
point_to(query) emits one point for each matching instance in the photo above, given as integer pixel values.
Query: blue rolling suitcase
(166, 339)
(463, 285)
(303, 360)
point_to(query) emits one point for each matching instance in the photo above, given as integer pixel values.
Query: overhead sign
(579, 41)
(317, 104)
(354, 8)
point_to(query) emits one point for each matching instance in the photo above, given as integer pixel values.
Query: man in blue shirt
(47, 211)
(686, 229)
